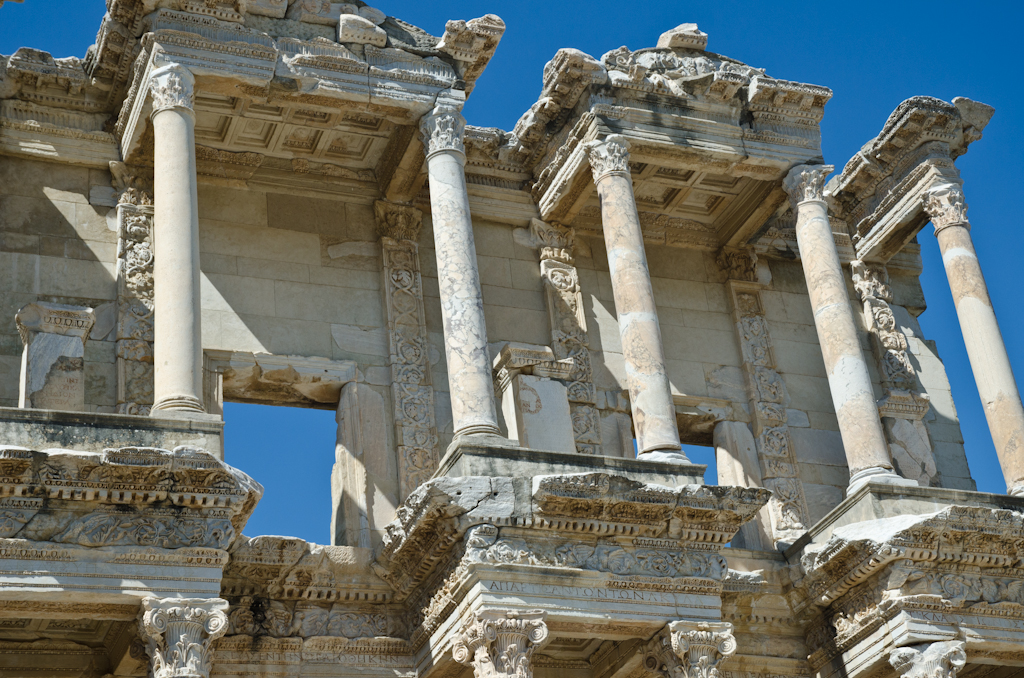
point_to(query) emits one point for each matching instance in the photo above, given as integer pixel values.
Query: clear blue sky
(872, 54)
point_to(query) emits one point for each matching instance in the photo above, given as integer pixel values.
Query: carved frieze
(412, 393)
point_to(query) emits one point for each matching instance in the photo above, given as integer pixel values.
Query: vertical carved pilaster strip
(411, 391)
(767, 394)
(902, 407)
(569, 329)
(135, 305)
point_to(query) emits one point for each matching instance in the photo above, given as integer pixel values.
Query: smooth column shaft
(987, 352)
(177, 338)
(462, 306)
(650, 392)
(848, 376)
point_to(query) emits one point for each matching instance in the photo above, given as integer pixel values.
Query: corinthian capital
(686, 649)
(945, 204)
(172, 86)
(442, 130)
(806, 182)
(500, 643)
(929, 660)
(179, 632)
(608, 156)
(398, 222)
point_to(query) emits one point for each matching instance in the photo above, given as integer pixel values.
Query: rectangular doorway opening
(290, 451)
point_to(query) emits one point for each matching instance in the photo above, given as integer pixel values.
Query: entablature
(881, 190)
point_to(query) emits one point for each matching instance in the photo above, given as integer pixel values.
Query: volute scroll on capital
(608, 156)
(945, 206)
(172, 86)
(180, 634)
(686, 649)
(443, 129)
(501, 643)
(806, 183)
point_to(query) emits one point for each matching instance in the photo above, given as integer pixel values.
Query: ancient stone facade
(281, 202)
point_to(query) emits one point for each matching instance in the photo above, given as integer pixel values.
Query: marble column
(848, 378)
(179, 634)
(462, 305)
(990, 363)
(177, 341)
(650, 394)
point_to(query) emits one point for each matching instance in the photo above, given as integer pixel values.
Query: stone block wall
(58, 244)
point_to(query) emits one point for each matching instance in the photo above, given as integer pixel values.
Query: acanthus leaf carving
(686, 649)
(930, 660)
(443, 129)
(806, 182)
(946, 206)
(501, 643)
(180, 633)
(172, 86)
(608, 156)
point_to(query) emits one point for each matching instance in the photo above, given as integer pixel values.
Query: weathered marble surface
(53, 359)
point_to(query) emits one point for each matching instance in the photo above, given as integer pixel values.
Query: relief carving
(500, 643)
(767, 396)
(180, 634)
(443, 129)
(412, 394)
(686, 649)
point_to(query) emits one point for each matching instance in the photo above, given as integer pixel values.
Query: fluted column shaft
(462, 305)
(848, 377)
(177, 338)
(650, 394)
(985, 348)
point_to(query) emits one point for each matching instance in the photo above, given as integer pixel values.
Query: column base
(877, 474)
(664, 456)
(177, 402)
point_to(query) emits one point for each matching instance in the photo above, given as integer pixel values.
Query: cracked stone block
(53, 362)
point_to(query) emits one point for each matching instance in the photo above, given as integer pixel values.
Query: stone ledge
(874, 501)
(96, 431)
(496, 457)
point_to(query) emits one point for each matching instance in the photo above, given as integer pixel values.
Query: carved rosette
(930, 660)
(135, 306)
(180, 633)
(443, 130)
(172, 86)
(686, 649)
(608, 156)
(500, 643)
(412, 394)
(569, 329)
(945, 205)
(766, 392)
(806, 182)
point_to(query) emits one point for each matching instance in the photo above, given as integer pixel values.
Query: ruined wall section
(58, 243)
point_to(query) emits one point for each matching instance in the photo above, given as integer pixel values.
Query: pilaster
(412, 395)
(902, 406)
(568, 323)
(766, 391)
(135, 304)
